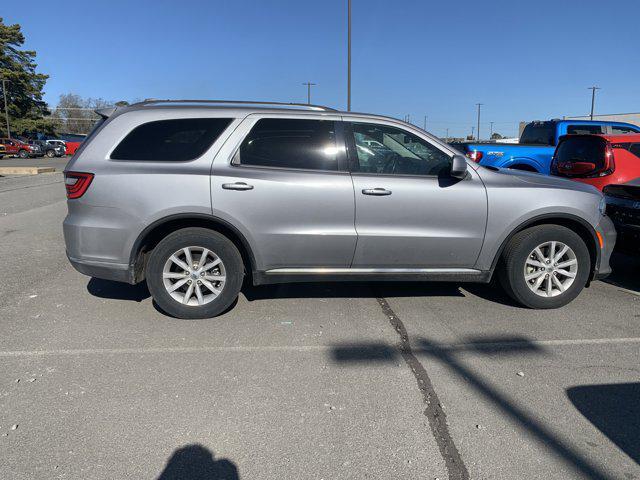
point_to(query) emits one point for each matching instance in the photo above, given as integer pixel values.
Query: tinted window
(290, 143)
(539, 133)
(389, 150)
(635, 149)
(622, 130)
(170, 140)
(582, 149)
(585, 129)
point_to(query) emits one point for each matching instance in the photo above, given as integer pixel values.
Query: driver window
(392, 151)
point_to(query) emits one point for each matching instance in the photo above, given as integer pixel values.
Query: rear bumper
(107, 271)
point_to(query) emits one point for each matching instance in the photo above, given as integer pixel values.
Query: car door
(410, 213)
(283, 182)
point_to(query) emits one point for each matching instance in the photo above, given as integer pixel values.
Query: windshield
(539, 133)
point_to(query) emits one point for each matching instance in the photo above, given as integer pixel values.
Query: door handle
(237, 186)
(376, 191)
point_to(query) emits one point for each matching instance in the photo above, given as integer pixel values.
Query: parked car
(37, 148)
(598, 160)
(55, 148)
(623, 206)
(16, 147)
(3, 150)
(72, 141)
(192, 196)
(537, 144)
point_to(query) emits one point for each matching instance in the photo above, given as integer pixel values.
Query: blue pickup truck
(537, 143)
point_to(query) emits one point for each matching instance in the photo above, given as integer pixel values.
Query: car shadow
(614, 409)
(625, 271)
(196, 462)
(118, 290)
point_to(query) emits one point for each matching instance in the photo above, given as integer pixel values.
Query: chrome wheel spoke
(178, 284)
(199, 295)
(210, 286)
(535, 263)
(175, 275)
(203, 257)
(536, 286)
(558, 283)
(568, 263)
(215, 278)
(566, 273)
(539, 254)
(188, 294)
(533, 275)
(549, 285)
(187, 256)
(560, 254)
(552, 251)
(210, 265)
(179, 262)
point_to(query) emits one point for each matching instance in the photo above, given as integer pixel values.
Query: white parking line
(310, 348)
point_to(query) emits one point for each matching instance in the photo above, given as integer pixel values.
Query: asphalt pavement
(310, 381)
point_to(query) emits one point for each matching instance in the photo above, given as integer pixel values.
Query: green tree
(28, 112)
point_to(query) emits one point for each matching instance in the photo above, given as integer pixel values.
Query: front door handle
(376, 191)
(237, 186)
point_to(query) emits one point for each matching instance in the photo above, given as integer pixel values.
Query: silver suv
(194, 195)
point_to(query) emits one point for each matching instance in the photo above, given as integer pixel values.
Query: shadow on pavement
(118, 290)
(195, 462)
(614, 410)
(446, 354)
(626, 269)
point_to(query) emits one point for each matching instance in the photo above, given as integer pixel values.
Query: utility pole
(472, 129)
(593, 98)
(479, 105)
(491, 130)
(6, 106)
(447, 140)
(309, 85)
(408, 118)
(424, 125)
(349, 57)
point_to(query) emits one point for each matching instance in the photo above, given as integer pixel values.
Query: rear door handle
(376, 191)
(237, 186)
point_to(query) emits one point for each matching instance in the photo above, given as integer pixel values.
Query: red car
(72, 140)
(598, 160)
(16, 147)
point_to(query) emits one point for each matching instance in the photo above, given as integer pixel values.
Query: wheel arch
(155, 232)
(578, 225)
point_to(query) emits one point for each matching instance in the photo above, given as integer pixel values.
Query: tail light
(475, 155)
(77, 183)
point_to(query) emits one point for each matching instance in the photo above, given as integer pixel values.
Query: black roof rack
(154, 101)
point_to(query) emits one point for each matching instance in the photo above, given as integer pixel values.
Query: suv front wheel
(545, 266)
(195, 273)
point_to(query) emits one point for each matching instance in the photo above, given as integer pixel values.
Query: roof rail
(154, 101)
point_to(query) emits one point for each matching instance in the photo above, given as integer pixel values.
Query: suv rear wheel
(195, 273)
(545, 266)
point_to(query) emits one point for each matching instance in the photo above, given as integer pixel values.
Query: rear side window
(585, 129)
(290, 143)
(542, 133)
(635, 149)
(582, 149)
(170, 140)
(622, 130)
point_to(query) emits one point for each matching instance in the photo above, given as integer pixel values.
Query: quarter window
(585, 130)
(622, 130)
(170, 140)
(290, 143)
(392, 151)
(635, 149)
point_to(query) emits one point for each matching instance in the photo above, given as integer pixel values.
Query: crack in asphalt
(436, 416)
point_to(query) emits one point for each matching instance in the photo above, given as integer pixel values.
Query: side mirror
(459, 166)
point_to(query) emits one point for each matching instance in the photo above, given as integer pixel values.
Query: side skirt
(301, 275)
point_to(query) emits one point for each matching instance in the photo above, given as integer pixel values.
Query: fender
(553, 216)
(510, 162)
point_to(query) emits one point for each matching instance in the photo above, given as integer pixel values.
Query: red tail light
(77, 183)
(475, 155)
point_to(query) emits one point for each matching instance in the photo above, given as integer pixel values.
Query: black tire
(23, 154)
(50, 153)
(198, 237)
(517, 252)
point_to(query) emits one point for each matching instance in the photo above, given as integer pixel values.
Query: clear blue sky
(523, 59)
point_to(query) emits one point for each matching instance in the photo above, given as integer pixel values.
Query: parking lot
(304, 381)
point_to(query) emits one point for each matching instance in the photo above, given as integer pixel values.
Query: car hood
(530, 179)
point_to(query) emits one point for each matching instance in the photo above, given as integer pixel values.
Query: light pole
(447, 140)
(479, 105)
(491, 130)
(472, 129)
(309, 85)
(424, 125)
(593, 98)
(6, 106)
(349, 57)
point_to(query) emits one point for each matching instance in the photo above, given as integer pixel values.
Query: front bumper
(607, 232)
